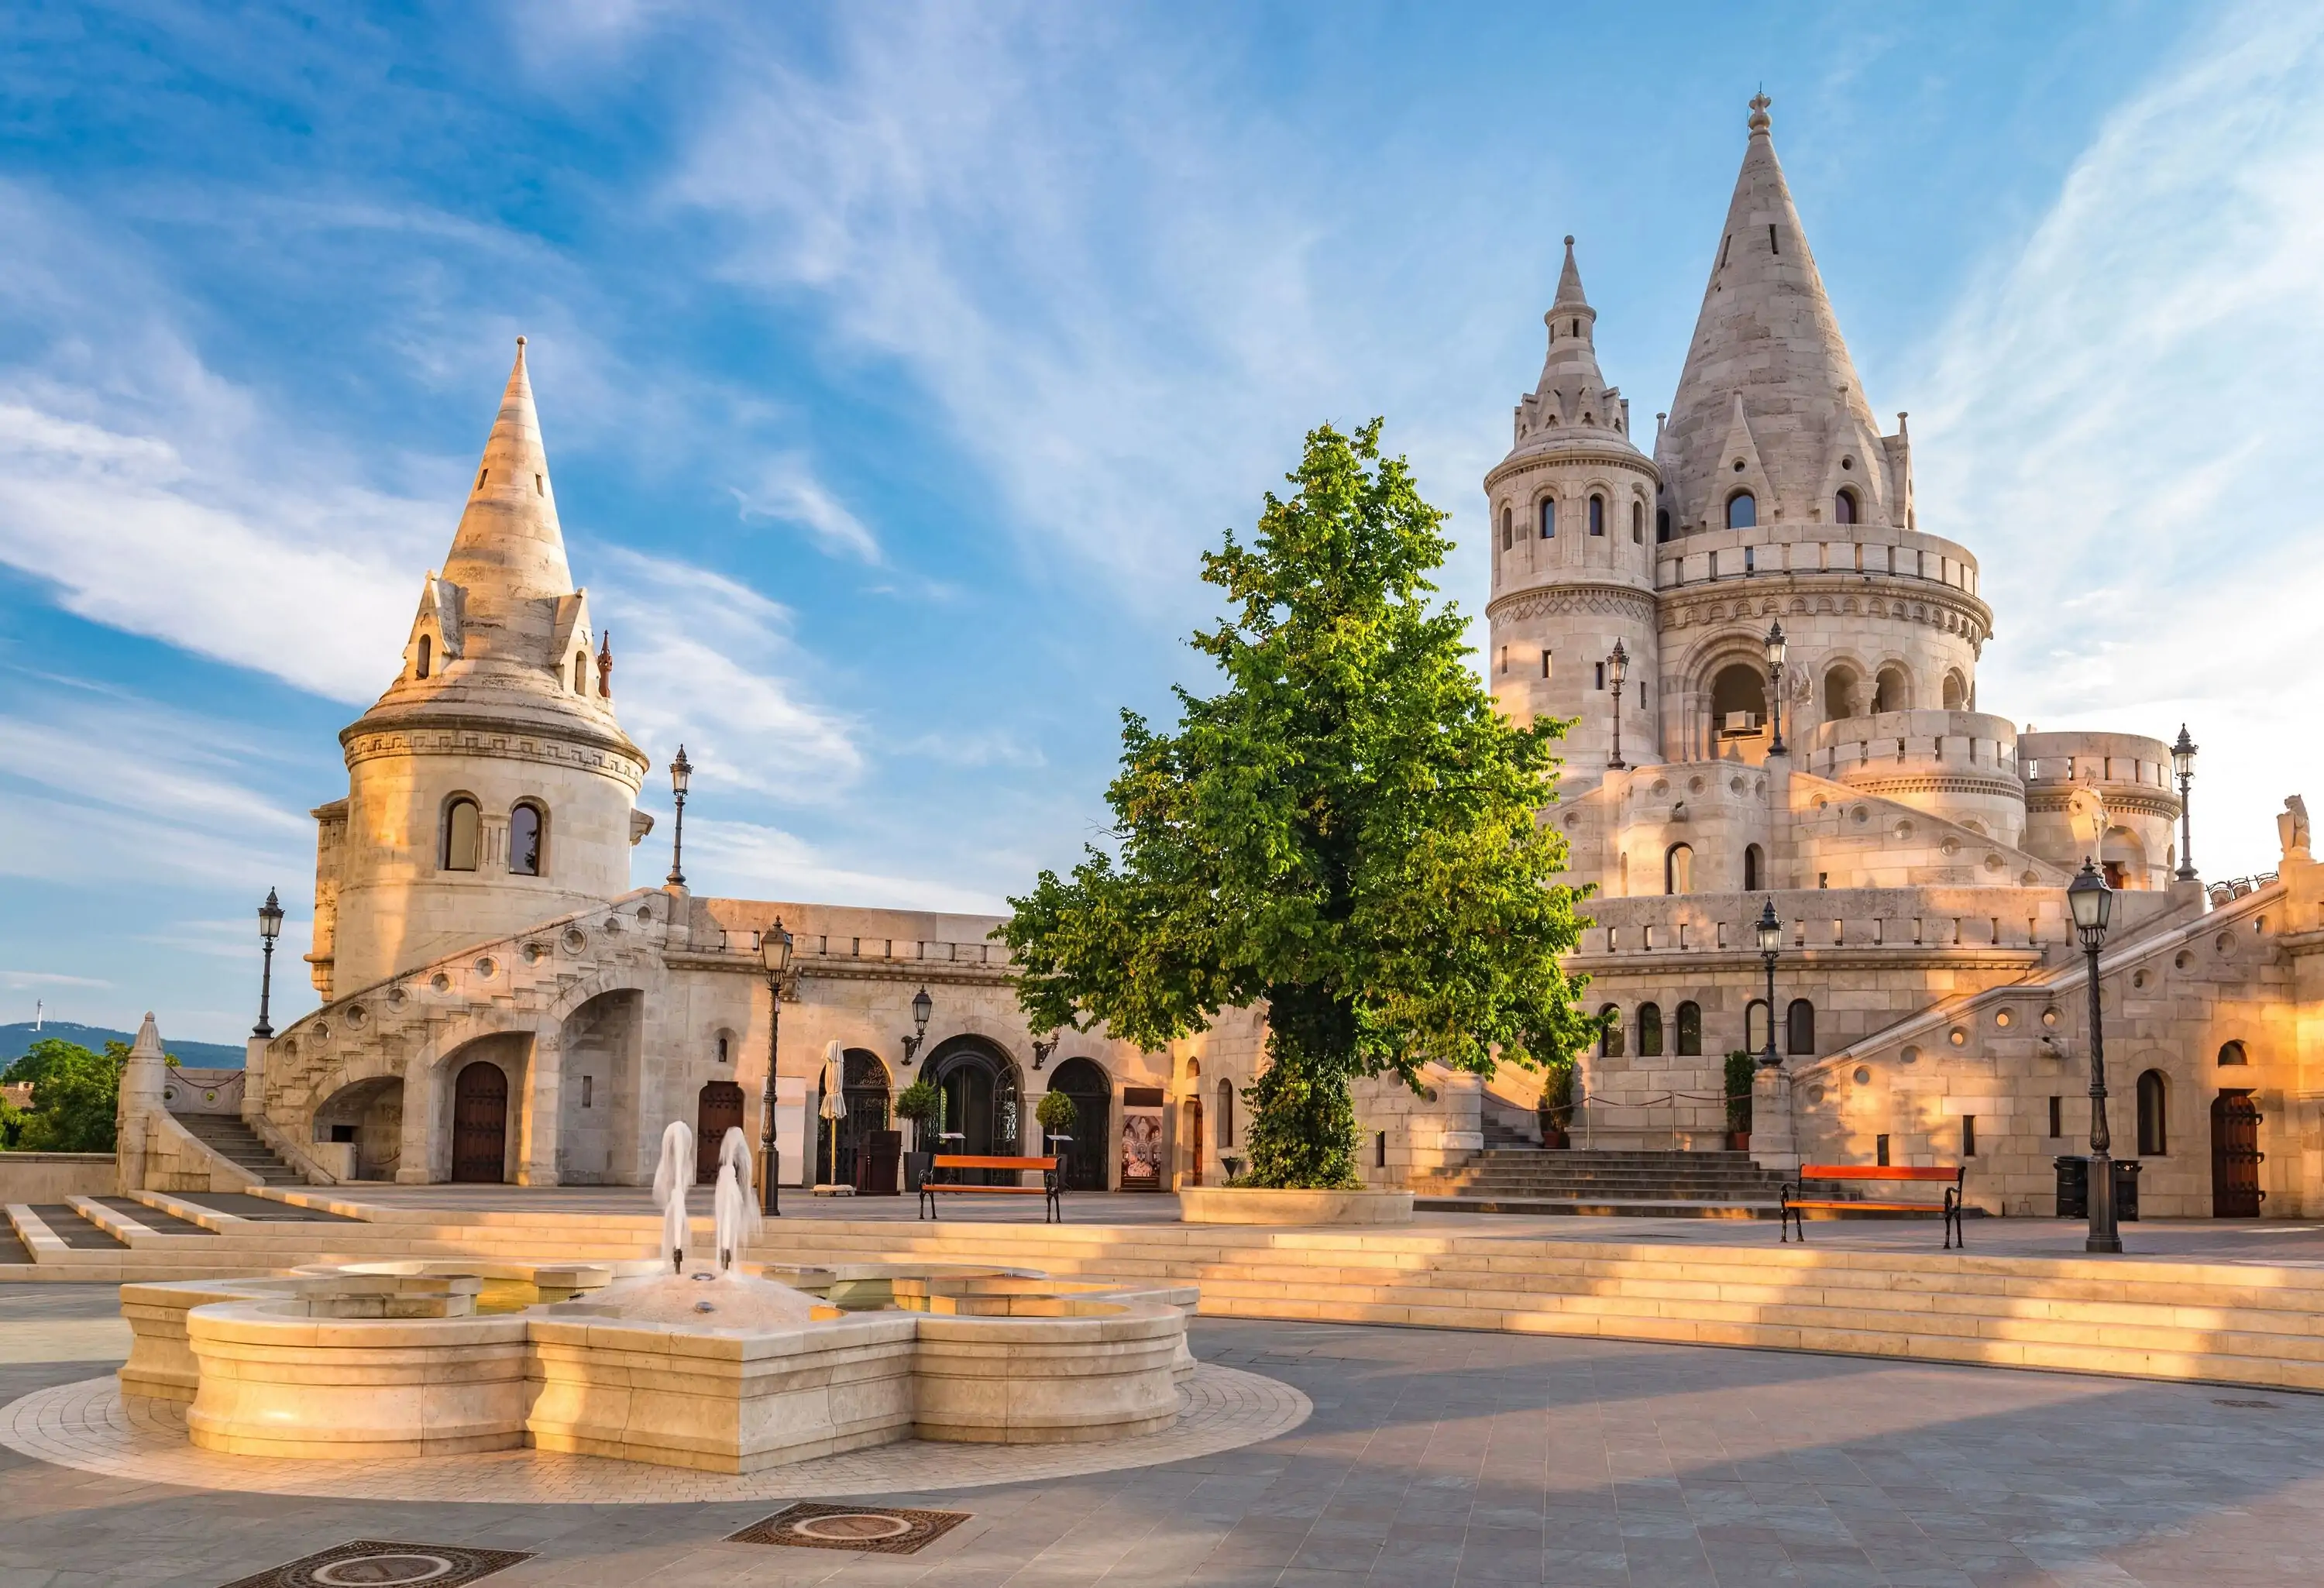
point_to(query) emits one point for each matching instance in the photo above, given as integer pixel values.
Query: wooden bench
(932, 1187)
(1796, 1201)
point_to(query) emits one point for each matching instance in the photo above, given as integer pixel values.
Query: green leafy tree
(1346, 833)
(75, 1093)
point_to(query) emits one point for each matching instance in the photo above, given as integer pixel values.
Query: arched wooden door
(718, 1110)
(1190, 1119)
(2234, 1157)
(1084, 1157)
(480, 1123)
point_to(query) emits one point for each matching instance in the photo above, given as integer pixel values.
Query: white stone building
(499, 1003)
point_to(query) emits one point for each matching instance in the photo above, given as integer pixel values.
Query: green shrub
(1739, 1068)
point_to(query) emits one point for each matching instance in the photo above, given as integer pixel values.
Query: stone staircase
(1505, 1178)
(231, 1139)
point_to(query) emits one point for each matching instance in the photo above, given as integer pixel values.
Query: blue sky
(895, 361)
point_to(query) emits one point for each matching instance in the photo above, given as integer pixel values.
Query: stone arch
(1843, 689)
(983, 1088)
(1088, 1159)
(367, 1116)
(1892, 687)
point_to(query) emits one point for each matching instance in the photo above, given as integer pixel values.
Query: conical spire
(1569, 282)
(1767, 336)
(509, 548)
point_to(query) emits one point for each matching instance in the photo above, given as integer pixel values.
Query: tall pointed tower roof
(1572, 404)
(509, 545)
(1766, 336)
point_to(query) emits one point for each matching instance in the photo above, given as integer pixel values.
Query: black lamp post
(1775, 685)
(1044, 1046)
(2092, 902)
(681, 773)
(922, 1006)
(775, 957)
(2182, 762)
(270, 926)
(1770, 930)
(1617, 667)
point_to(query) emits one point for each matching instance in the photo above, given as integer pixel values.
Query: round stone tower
(1572, 511)
(491, 787)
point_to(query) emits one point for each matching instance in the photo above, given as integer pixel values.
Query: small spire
(606, 669)
(1759, 123)
(1569, 282)
(509, 550)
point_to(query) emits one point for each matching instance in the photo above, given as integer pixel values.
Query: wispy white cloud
(789, 490)
(48, 979)
(756, 862)
(2124, 428)
(708, 662)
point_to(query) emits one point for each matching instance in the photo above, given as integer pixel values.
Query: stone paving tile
(1431, 1459)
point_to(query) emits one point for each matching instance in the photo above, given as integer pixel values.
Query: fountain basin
(729, 1374)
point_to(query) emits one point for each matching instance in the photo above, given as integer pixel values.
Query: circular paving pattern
(89, 1425)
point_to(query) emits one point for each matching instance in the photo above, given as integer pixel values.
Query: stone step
(235, 1140)
(1602, 1207)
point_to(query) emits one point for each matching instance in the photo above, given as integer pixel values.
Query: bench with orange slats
(931, 1187)
(1795, 1200)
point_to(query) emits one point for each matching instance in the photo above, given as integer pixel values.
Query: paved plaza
(1431, 1458)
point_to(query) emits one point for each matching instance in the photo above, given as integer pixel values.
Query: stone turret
(1570, 507)
(491, 786)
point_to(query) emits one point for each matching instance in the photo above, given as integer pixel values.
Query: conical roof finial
(1759, 103)
(510, 550)
(1569, 282)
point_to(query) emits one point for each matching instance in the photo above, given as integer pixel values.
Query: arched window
(1637, 524)
(2233, 1053)
(1755, 1025)
(1843, 508)
(462, 834)
(1742, 512)
(1226, 1113)
(1838, 694)
(426, 653)
(1678, 869)
(1597, 515)
(1690, 1029)
(580, 672)
(526, 832)
(1956, 693)
(1738, 700)
(1893, 691)
(1610, 1039)
(1509, 528)
(1662, 525)
(1753, 867)
(723, 1052)
(1798, 1027)
(1650, 1031)
(1548, 518)
(2154, 1125)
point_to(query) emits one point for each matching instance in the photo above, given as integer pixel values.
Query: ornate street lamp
(2092, 903)
(1617, 667)
(1770, 931)
(270, 926)
(1775, 684)
(2182, 763)
(922, 1006)
(681, 773)
(775, 957)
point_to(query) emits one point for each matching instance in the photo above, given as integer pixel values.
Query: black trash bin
(2074, 1188)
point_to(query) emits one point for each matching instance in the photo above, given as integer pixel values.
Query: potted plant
(1556, 1105)
(923, 1104)
(1056, 1114)
(1740, 1069)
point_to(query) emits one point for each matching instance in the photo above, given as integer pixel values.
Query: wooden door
(480, 1123)
(1191, 1119)
(718, 1110)
(2235, 1156)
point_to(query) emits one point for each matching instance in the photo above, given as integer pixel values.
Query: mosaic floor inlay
(373, 1563)
(868, 1530)
(91, 1426)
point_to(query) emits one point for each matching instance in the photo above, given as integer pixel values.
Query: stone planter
(1241, 1205)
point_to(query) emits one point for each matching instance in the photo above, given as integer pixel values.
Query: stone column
(140, 1098)
(1775, 1139)
(540, 1122)
(253, 1076)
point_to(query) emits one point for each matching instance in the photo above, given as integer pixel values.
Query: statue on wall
(2292, 828)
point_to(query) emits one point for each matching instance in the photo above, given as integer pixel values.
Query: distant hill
(201, 1056)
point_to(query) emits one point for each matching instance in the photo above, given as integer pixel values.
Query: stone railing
(1806, 549)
